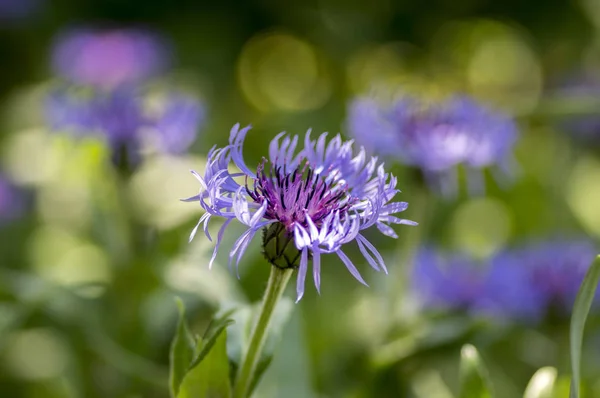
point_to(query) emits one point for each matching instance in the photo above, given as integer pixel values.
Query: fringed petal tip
(190, 199)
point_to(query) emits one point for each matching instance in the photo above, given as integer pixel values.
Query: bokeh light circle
(277, 71)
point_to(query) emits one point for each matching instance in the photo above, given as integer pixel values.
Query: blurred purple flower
(308, 203)
(17, 10)
(556, 268)
(121, 117)
(445, 280)
(109, 58)
(11, 201)
(510, 293)
(519, 284)
(177, 125)
(578, 91)
(436, 137)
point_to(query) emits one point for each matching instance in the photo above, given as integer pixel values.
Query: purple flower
(317, 199)
(510, 292)
(556, 268)
(108, 57)
(492, 288)
(448, 280)
(18, 10)
(519, 284)
(177, 125)
(11, 201)
(436, 137)
(123, 119)
(580, 93)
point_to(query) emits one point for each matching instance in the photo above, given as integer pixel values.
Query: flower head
(436, 137)
(521, 283)
(123, 118)
(447, 280)
(11, 200)
(580, 93)
(307, 202)
(556, 267)
(108, 57)
(457, 281)
(18, 10)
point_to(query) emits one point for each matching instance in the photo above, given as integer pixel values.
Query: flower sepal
(279, 248)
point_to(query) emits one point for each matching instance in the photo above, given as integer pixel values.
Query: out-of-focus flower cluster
(580, 92)
(522, 284)
(11, 200)
(18, 10)
(436, 137)
(104, 91)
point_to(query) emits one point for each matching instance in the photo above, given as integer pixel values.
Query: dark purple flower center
(291, 196)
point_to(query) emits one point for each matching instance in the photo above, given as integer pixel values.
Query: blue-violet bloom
(123, 118)
(579, 93)
(13, 11)
(521, 283)
(556, 268)
(493, 288)
(11, 200)
(109, 58)
(447, 280)
(320, 198)
(436, 137)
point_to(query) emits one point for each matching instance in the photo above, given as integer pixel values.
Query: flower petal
(351, 267)
(301, 274)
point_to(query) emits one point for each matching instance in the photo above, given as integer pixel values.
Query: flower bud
(279, 248)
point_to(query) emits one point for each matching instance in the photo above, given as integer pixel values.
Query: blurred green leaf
(182, 351)
(473, 374)
(209, 378)
(583, 302)
(541, 384)
(216, 327)
(280, 318)
(240, 333)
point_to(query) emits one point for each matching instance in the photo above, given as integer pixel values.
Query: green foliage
(200, 366)
(240, 334)
(182, 350)
(474, 381)
(209, 377)
(583, 302)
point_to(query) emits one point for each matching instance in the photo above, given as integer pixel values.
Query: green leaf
(280, 318)
(240, 335)
(583, 302)
(473, 374)
(216, 327)
(209, 378)
(542, 383)
(182, 351)
(261, 367)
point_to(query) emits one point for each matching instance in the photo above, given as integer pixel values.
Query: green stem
(278, 280)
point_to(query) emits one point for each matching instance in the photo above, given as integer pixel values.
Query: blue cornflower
(11, 200)
(510, 292)
(447, 280)
(110, 57)
(436, 137)
(122, 117)
(12, 11)
(457, 281)
(556, 267)
(521, 283)
(579, 93)
(307, 203)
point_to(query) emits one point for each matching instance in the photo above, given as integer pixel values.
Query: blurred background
(105, 106)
